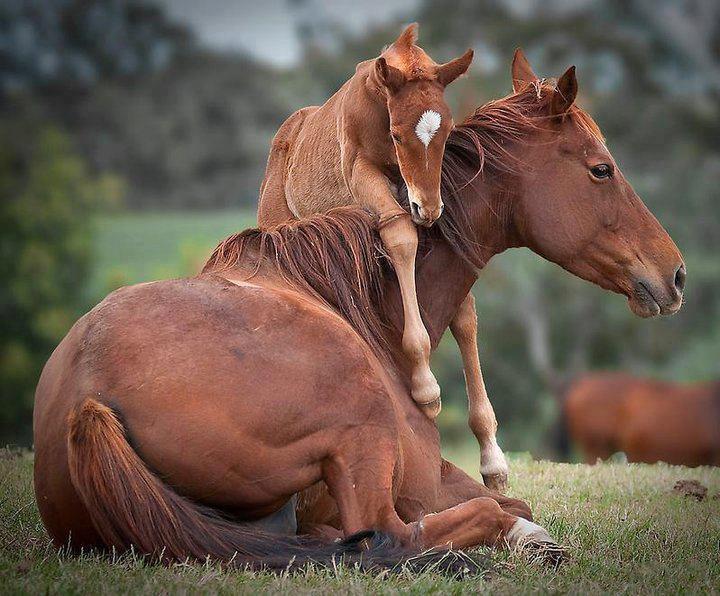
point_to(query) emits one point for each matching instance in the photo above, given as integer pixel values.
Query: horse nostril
(415, 210)
(680, 276)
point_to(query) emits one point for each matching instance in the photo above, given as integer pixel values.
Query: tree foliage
(47, 200)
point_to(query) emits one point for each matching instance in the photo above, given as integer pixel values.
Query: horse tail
(131, 507)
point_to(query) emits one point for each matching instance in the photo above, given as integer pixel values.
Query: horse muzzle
(653, 295)
(425, 216)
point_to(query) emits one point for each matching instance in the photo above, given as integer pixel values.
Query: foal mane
(337, 258)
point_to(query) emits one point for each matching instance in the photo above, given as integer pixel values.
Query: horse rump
(131, 507)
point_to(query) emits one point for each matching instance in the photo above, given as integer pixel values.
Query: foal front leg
(481, 416)
(400, 239)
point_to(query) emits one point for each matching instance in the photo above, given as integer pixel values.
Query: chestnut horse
(175, 412)
(648, 420)
(388, 123)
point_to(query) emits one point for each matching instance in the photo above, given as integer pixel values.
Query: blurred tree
(193, 135)
(73, 44)
(47, 200)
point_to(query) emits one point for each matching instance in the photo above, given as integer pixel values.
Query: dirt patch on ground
(691, 488)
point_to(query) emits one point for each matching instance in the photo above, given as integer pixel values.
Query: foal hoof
(426, 393)
(493, 466)
(432, 409)
(496, 482)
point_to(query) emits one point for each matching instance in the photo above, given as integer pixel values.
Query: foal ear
(448, 72)
(565, 92)
(522, 72)
(408, 37)
(391, 77)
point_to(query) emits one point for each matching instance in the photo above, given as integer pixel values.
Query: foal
(386, 125)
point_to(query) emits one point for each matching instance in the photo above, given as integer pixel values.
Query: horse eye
(396, 138)
(602, 171)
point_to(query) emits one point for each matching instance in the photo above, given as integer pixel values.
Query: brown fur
(335, 258)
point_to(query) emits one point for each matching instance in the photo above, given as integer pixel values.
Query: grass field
(137, 247)
(626, 531)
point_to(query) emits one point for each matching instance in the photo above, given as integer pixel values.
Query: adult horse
(648, 420)
(282, 364)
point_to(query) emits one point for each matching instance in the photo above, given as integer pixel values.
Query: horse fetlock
(425, 390)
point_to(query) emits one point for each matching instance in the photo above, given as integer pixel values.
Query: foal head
(575, 207)
(420, 120)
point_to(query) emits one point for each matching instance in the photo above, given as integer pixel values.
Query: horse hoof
(496, 482)
(545, 553)
(535, 542)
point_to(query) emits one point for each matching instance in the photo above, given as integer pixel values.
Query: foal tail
(131, 507)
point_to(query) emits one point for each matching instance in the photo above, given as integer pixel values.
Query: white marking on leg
(524, 531)
(427, 126)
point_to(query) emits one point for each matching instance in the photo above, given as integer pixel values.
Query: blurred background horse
(648, 420)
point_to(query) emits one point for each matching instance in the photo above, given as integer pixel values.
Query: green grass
(135, 247)
(627, 533)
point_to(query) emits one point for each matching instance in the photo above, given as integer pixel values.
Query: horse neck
(443, 277)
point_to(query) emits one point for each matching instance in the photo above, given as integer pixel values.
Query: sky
(267, 28)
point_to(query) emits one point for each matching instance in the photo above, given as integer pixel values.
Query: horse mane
(478, 148)
(337, 258)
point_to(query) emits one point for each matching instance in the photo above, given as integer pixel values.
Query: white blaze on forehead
(427, 126)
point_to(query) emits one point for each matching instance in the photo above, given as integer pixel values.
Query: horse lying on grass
(182, 417)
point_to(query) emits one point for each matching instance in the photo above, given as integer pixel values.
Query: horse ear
(408, 37)
(448, 72)
(565, 92)
(522, 72)
(391, 77)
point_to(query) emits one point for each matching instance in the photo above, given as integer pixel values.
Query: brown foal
(388, 123)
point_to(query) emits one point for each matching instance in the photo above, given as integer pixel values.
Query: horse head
(576, 208)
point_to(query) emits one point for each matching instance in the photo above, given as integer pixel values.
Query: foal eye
(396, 138)
(602, 171)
